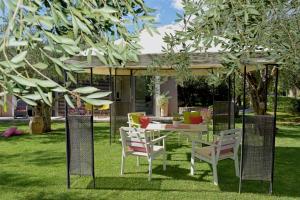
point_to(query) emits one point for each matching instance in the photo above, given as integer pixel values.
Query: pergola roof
(201, 64)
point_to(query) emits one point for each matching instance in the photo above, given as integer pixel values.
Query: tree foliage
(243, 30)
(57, 30)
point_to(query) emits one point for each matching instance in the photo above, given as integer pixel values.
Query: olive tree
(244, 30)
(39, 36)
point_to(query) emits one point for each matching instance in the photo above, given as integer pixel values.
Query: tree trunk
(47, 118)
(257, 89)
(44, 111)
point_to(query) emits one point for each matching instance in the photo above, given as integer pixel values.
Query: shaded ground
(33, 167)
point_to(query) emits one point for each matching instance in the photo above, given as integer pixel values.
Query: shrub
(285, 104)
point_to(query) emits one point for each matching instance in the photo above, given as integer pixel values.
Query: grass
(33, 167)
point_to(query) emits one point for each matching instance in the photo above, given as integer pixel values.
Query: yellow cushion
(186, 117)
(195, 114)
(135, 117)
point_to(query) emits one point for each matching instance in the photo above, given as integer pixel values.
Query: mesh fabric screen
(223, 116)
(258, 148)
(80, 131)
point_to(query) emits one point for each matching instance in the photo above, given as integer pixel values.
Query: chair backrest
(229, 141)
(135, 140)
(131, 118)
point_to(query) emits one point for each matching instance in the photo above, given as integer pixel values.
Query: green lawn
(33, 167)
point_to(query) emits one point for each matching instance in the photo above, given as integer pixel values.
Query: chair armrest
(134, 124)
(204, 142)
(156, 140)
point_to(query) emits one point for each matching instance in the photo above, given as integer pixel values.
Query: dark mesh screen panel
(258, 148)
(223, 116)
(119, 116)
(122, 103)
(80, 131)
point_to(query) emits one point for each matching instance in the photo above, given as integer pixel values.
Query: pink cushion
(225, 151)
(9, 132)
(196, 119)
(144, 121)
(18, 132)
(137, 149)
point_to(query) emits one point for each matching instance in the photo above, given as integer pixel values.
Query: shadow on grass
(286, 176)
(137, 184)
(292, 131)
(18, 180)
(38, 158)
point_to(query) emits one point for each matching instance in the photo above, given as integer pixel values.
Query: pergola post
(132, 92)
(156, 96)
(67, 136)
(92, 133)
(266, 89)
(243, 128)
(275, 129)
(229, 102)
(258, 140)
(114, 102)
(213, 100)
(234, 104)
(110, 106)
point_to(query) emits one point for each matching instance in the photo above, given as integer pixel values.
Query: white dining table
(191, 130)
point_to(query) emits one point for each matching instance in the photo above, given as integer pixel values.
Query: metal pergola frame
(68, 143)
(274, 125)
(134, 70)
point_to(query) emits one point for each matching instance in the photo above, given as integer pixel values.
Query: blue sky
(166, 10)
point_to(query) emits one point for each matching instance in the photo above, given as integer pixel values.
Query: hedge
(285, 104)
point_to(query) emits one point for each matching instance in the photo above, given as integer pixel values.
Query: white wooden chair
(226, 146)
(137, 142)
(132, 124)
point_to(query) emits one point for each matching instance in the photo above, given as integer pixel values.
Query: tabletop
(182, 127)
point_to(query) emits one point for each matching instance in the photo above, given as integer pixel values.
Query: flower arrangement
(177, 117)
(163, 100)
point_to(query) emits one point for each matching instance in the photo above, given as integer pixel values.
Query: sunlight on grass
(33, 167)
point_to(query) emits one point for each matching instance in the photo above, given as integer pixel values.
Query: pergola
(201, 64)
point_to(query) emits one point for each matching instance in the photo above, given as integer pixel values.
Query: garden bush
(285, 104)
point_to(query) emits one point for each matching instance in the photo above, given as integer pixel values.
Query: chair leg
(193, 159)
(236, 163)
(122, 164)
(215, 173)
(164, 161)
(150, 168)
(192, 162)
(137, 161)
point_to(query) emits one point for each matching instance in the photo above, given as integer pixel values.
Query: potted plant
(176, 120)
(36, 123)
(163, 103)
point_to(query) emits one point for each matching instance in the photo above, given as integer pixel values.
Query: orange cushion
(144, 121)
(196, 119)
